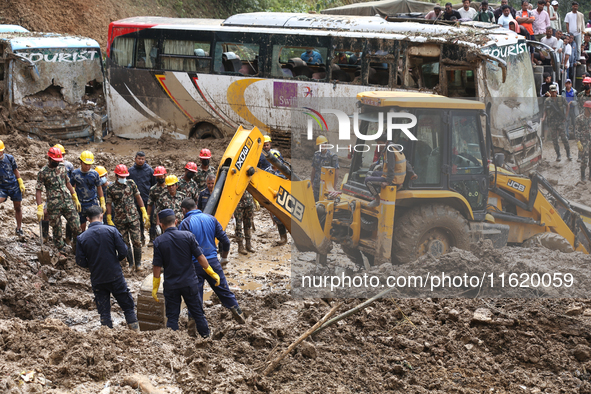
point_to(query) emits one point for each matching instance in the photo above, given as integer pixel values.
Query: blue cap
(165, 213)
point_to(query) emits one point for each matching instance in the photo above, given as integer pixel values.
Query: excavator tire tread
(412, 225)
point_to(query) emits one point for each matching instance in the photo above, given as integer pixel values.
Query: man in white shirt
(506, 17)
(575, 24)
(467, 12)
(550, 40)
(555, 20)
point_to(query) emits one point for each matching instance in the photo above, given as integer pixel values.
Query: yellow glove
(155, 286)
(145, 217)
(40, 212)
(103, 205)
(212, 273)
(257, 205)
(77, 202)
(21, 185)
(580, 146)
(110, 221)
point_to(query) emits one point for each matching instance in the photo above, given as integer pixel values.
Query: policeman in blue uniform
(206, 230)
(101, 248)
(87, 183)
(174, 251)
(11, 185)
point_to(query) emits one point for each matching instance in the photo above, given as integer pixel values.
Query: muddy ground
(51, 340)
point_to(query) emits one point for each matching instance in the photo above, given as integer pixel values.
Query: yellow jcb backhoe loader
(462, 193)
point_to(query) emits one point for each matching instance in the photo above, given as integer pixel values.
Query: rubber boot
(191, 327)
(137, 256)
(557, 150)
(241, 249)
(45, 230)
(134, 326)
(376, 202)
(583, 175)
(130, 258)
(248, 244)
(567, 148)
(238, 315)
(282, 234)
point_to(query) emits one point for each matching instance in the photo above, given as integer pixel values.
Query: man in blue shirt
(206, 230)
(570, 94)
(87, 184)
(174, 251)
(311, 57)
(141, 174)
(100, 249)
(11, 185)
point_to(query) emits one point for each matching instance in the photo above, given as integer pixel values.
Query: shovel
(42, 255)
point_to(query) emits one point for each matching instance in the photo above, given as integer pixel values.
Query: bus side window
(237, 58)
(423, 66)
(381, 68)
(290, 62)
(146, 53)
(122, 51)
(346, 67)
(182, 55)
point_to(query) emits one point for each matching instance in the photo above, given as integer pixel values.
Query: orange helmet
(55, 154)
(121, 170)
(205, 154)
(159, 171)
(191, 166)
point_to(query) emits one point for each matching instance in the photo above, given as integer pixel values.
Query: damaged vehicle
(52, 85)
(203, 78)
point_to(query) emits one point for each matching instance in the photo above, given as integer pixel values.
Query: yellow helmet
(1, 146)
(321, 140)
(171, 180)
(102, 171)
(275, 153)
(267, 138)
(87, 157)
(61, 148)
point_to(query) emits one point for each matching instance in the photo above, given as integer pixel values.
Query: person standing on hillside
(205, 169)
(100, 249)
(86, 182)
(122, 197)
(11, 185)
(141, 174)
(61, 198)
(575, 25)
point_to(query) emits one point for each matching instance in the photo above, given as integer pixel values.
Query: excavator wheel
(432, 229)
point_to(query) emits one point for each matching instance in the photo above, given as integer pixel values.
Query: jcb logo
(515, 185)
(243, 153)
(290, 204)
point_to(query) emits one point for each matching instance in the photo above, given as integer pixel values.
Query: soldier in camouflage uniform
(122, 213)
(187, 185)
(69, 168)
(172, 198)
(244, 214)
(582, 98)
(61, 197)
(156, 192)
(204, 170)
(583, 136)
(555, 114)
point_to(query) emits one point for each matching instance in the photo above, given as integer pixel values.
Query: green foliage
(231, 7)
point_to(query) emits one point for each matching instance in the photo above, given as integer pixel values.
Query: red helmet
(121, 170)
(205, 154)
(55, 154)
(191, 166)
(159, 171)
(587, 104)
(587, 80)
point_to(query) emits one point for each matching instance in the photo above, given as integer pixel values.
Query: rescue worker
(186, 184)
(244, 214)
(122, 196)
(69, 168)
(263, 163)
(555, 113)
(206, 193)
(156, 192)
(141, 174)
(390, 169)
(206, 230)
(104, 181)
(87, 182)
(100, 249)
(11, 185)
(172, 198)
(582, 97)
(58, 190)
(323, 157)
(583, 136)
(174, 251)
(205, 169)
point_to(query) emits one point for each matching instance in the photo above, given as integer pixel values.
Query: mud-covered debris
(582, 352)
(308, 350)
(574, 311)
(482, 315)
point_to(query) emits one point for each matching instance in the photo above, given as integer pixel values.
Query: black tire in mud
(433, 229)
(206, 130)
